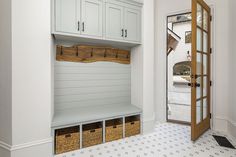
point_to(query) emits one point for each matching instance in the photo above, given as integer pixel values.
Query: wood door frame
(213, 63)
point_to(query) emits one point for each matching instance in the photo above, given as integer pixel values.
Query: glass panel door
(200, 77)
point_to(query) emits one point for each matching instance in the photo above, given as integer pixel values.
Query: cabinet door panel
(67, 16)
(92, 21)
(132, 25)
(114, 21)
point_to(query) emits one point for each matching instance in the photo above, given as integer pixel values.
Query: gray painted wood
(92, 17)
(67, 15)
(114, 21)
(132, 24)
(92, 84)
(90, 114)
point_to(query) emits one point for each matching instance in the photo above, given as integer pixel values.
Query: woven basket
(114, 130)
(132, 126)
(67, 139)
(92, 135)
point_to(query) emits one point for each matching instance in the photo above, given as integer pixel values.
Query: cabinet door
(132, 25)
(114, 21)
(92, 21)
(67, 14)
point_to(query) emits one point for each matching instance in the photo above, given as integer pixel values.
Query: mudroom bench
(78, 128)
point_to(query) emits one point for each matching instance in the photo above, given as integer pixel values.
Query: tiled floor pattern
(168, 140)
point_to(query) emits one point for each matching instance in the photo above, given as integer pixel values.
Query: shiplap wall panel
(91, 84)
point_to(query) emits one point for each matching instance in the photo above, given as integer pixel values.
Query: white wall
(220, 58)
(232, 107)
(5, 76)
(142, 69)
(31, 77)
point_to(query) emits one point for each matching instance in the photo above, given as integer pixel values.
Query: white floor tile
(168, 140)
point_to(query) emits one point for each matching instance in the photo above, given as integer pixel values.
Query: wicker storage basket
(132, 126)
(114, 130)
(92, 134)
(67, 139)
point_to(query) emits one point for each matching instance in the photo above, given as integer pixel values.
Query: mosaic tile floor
(168, 140)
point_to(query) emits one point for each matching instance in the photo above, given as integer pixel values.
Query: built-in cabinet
(92, 17)
(123, 23)
(79, 17)
(67, 16)
(132, 24)
(108, 20)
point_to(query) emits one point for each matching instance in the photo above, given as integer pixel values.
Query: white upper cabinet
(132, 25)
(104, 20)
(67, 16)
(123, 23)
(92, 17)
(114, 21)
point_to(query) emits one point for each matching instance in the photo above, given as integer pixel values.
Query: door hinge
(210, 50)
(210, 115)
(210, 83)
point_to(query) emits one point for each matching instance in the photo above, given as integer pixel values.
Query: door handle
(194, 84)
(190, 84)
(122, 33)
(197, 85)
(78, 25)
(126, 33)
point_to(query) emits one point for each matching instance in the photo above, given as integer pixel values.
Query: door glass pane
(205, 20)
(204, 64)
(198, 111)
(204, 86)
(199, 39)
(205, 108)
(198, 87)
(205, 42)
(199, 64)
(199, 15)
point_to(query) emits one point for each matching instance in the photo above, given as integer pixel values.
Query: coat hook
(61, 52)
(77, 51)
(91, 53)
(105, 53)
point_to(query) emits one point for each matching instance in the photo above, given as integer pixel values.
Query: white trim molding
(5, 146)
(149, 125)
(24, 145)
(225, 125)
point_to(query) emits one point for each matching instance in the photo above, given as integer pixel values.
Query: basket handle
(68, 135)
(92, 130)
(132, 123)
(114, 126)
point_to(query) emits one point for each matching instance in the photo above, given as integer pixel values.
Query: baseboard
(5, 145)
(4, 152)
(220, 124)
(226, 126)
(41, 150)
(24, 145)
(232, 129)
(148, 126)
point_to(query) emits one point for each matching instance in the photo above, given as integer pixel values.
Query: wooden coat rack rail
(88, 54)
